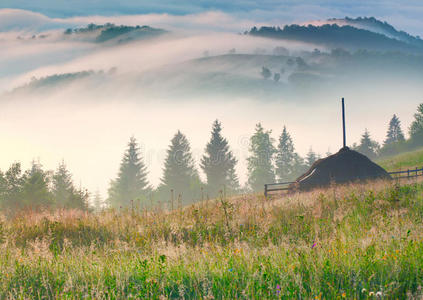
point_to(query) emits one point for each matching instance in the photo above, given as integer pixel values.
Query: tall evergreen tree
(367, 146)
(233, 181)
(179, 173)
(311, 157)
(416, 128)
(64, 192)
(131, 183)
(3, 188)
(260, 161)
(35, 190)
(394, 133)
(98, 202)
(62, 185)
(218, 162)
(285, 157)
(299, 166)
(14, 181)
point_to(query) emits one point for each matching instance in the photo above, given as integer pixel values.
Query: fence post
(265, 191)
(417, 169)
(408, 174)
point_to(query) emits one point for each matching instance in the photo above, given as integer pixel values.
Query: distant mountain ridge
(351, 34)
(375, 25)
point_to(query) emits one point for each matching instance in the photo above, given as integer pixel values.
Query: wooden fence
(284, 186)
(410, 173)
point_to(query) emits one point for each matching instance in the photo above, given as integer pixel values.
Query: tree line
(395, 141)
(338, 36)
(39, 189)
(181, 183)
(268, 161)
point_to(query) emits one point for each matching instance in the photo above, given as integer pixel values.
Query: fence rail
(411, 173)
(268, 187)
(284, 186)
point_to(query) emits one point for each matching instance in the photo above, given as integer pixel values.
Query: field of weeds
(361, 241)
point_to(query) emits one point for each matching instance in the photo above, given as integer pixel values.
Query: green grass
(348, 242)
(403, 161)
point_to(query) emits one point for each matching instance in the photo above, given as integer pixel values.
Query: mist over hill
(375, 25)
(351, 34)
(108, 32)
(239, 75)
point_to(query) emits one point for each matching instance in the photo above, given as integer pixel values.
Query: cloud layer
(404, 14)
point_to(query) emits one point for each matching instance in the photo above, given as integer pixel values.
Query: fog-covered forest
(269, 161)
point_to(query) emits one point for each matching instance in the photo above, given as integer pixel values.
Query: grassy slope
(345, 242)
(404, 161)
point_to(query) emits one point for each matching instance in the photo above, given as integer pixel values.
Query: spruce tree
(233, 182)
(98, 202)
(62, 186)
(131, 183)
(14, 181)
(394, 134)
(299, 166)
(260, 161)
(35, 190)
(64, 192)
(367, 146)
(416, 128)
(3, 189)
(311, 158)
(218, 163)
(179, 173)
(285, 157)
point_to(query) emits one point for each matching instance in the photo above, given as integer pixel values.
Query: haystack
(345, 166)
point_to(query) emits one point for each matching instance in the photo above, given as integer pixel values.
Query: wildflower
(379, 294)
(363, 290)
(371, 294)
(278, 289)
(344, 295)
(230, 270)
(314, 245)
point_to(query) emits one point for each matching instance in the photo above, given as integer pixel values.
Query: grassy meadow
(358, 241)
(403, 161)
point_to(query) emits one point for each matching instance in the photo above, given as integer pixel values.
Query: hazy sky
(404, 14)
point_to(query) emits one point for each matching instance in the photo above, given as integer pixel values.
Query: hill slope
(403, 161)
(349, 242)
(239, 75)
(351, 34)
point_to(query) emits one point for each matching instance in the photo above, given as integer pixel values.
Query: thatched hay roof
(345, 166)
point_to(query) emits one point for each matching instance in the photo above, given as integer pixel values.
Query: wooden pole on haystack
(343, 122)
